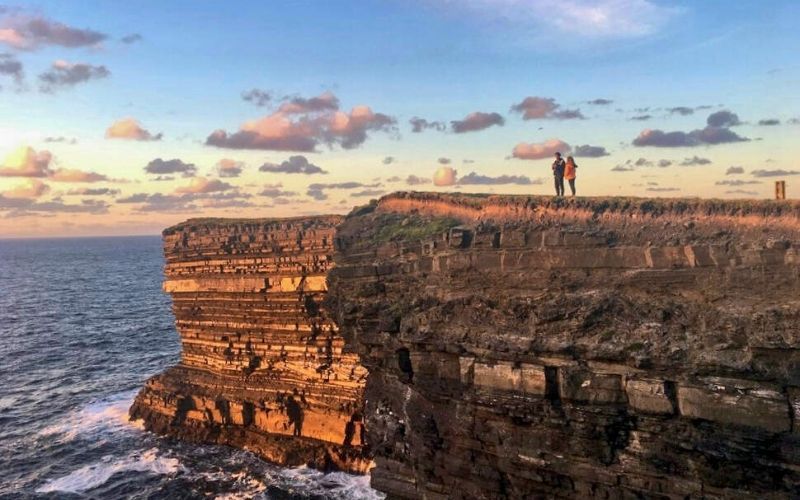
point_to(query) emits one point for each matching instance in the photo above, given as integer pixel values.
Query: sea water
(83, 323)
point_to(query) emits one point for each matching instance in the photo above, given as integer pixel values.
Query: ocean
(83, 323)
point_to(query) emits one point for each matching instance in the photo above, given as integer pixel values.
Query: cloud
(681, 110)
(200, 185)
(419, 124)
(67, 140)
(774, 173)
(26, 162)
(10, 66)
(695, 161)
(662, 189)
(445, 176)
(302, 124)
(66, 74)
(444, 161)
(32, 189)
(630, 165)
(735, 182)
(587, 151)
(710, 135)
(734, 170)
(130, 129)
(742, 191)
(623, 168)
(297, 164)
(24, 207)
(93, 192)
(131, 39)
(257, 96)
(477, 179)
(158, 202)
(316, 190)
(326, 101)
(388, 160)
(794, 121)
(75, 175)
(582, 19)
(476, 121)
(530, 151)
(189, 201)
(175, 166)
(540, 108)
(368, 192)
(26, 32)
(229, 168)
(413, 180)
(277, 191)
(723, 119)
(769, 122)
(641, 118)
(600, 102)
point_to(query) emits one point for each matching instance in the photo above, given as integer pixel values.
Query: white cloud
(580, 18)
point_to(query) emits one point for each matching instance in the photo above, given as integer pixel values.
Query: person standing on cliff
(558, 174)
(569, 174)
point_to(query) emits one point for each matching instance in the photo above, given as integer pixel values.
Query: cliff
(517, 347)
(592, 348)
(262, 365)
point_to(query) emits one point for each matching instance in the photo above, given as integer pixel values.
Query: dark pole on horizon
(780, 190)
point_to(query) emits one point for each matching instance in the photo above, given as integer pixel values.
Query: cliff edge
(527, 347)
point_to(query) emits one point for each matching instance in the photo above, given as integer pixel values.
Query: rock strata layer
(595, 348)
(262, 364)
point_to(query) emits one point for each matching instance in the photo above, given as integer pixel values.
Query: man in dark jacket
(558, 174)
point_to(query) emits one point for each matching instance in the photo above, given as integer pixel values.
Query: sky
(121, 118)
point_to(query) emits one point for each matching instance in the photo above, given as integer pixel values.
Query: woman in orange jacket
(569, 173)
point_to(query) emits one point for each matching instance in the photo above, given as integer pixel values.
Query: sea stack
(262, 365)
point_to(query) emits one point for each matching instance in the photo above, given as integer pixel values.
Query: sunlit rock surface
(517, 347)
(262, 365)
(593, 348)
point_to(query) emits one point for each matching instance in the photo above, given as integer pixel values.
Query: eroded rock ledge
(517, 347)
(262, 365)
(593, 348)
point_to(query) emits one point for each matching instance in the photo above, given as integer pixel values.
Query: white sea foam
(96, 474)
(332, 484)
(106, 415)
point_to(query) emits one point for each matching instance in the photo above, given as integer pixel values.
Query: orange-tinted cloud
(539, 108)
(26, 162)
(227, 167)
(200, 185)
(532, 151)
(130, 129)
(27, 32)
(75, 175)
(445, 176)
(33, 189)
(303, 124)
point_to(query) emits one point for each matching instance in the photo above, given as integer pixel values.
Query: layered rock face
(595, 348)
(262, 365)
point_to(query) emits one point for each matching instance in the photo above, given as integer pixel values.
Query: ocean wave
(96, 474)
(312, 482)
(106, 415)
